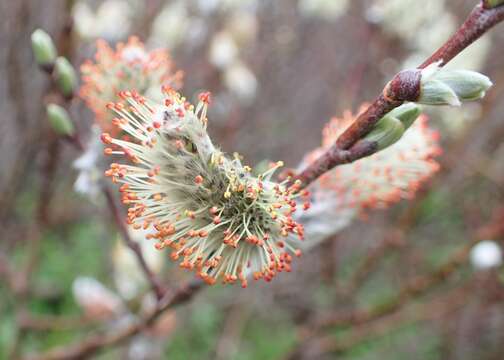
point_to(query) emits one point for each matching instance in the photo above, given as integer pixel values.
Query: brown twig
(414, 288)
(372, 259)
(6, 269)
(228, 344)
(26, 320)
(155, 284)
(437, 308)
(94, 343)
(404, 86)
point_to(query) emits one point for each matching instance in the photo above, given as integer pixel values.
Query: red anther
(305, 193)
(110, 105)
(159, 246)
(128, 152)
(306, 206)
(106, 138)
(171, 230)
(298, 252)
(118, 106)
(168, 102)
(180, 112)
(166, 89)
(156, 124)
(108, 151)
(210, 280)
(205, 97)
(213, 210)
(198, 180)
(216, 220)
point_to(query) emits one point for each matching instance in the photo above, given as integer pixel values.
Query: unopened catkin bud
(60, 120)
(66, 77)
(451, 87)
(386, 132)
(43, 49)
(406, 113)
(468, 85)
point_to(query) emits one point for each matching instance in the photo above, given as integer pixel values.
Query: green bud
(493, 3)
(386, 132)
(43, 49)
(451, 87)
(468, 85)
(60, 120)
(434, 92)
(406, 113)
(66, 77)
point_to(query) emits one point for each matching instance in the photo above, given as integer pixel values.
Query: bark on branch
(405, 86)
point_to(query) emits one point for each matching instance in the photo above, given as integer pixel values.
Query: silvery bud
(392, 126)
(468, 85)
(60, 120)
(451, 87)
(43, 49)
(386, 132)
(406, 113)
(66, 77)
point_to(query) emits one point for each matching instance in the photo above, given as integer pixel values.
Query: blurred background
(402, 282)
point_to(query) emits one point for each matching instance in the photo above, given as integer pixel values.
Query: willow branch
(372, 260)
(414, 288)
(404, 86)
(95, 343)
(155, 284)
(435, 309)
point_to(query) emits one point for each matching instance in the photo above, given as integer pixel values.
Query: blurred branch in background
(95, 343)
(151, 277)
